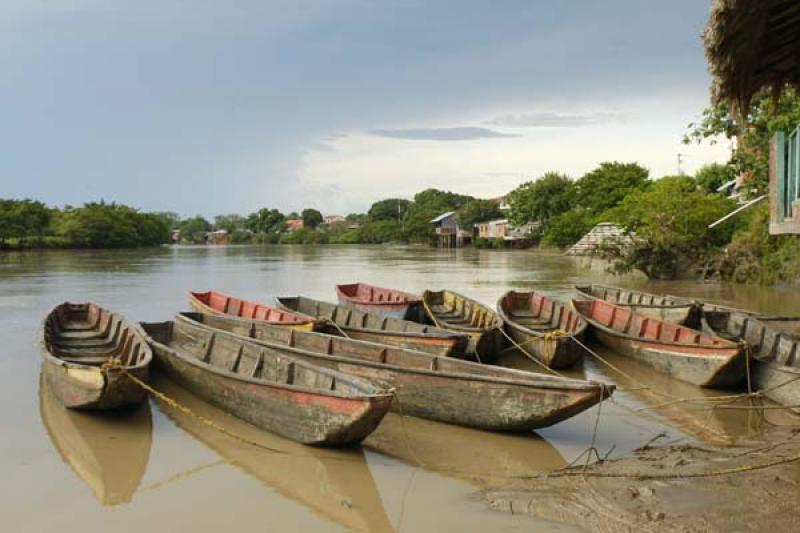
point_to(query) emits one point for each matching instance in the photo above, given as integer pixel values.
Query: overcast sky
(212, 107)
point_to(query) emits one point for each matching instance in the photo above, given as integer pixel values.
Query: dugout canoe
(339, 320)
(455, 312)
(87, 352)
(543, 327)
(218, 303)
(443, 389)
(669, 308)
(109, 451)
(292, 398)
(774, 342)
(681, 352)
(378, 300)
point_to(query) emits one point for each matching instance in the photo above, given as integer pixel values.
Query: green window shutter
(780, 175)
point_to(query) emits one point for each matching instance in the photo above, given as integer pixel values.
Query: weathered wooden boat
(669, 308)
(455, 312)
(683, 353)
(339, 320)
(774, 342)
(218, 303)
(378, 300)
(87, 352)
(108, 450)
(427, 386)
(281, 394)
(336, 485)
(543, 327)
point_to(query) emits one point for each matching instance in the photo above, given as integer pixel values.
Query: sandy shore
(641, 496)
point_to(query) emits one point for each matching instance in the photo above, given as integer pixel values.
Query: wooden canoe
(339, 320)
(543, 327)
(662, 307)
(109, 451)
(378, 300)
(452, 311)
(80, 341)
(774, 342)
(218, 303)
(335, 485)
(292, 398)
(437, 388)
(683, 353)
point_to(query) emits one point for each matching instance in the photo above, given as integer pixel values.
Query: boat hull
(376, 300)
(725, 369)
(392, 311)
(667, 308)
(781, 383)
(441, 389)
(94, 388)
(681, 352)
(555, 352)
(308, 416)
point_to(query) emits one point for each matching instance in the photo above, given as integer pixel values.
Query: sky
(210, 107)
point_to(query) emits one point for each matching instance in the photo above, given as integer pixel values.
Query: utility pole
(680, 160)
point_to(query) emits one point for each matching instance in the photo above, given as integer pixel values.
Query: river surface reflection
(165, 471)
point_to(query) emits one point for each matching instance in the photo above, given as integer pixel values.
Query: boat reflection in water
(665, 396)
(335, 484)
(478, 457)
(108, 450)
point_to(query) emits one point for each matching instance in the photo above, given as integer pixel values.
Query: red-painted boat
(377, 300)
(287, 396)
(217, 303)
(683, 353)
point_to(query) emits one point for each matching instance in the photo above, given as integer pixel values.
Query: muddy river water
(157, 469)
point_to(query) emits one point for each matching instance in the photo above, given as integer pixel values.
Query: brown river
(158, 469)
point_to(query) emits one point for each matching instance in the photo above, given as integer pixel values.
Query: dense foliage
(670, 223)
(26, 223)
(750, 156)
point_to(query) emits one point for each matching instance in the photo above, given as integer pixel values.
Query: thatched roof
(752, 44)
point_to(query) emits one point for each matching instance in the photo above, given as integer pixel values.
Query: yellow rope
(530, 355)
(187, 411)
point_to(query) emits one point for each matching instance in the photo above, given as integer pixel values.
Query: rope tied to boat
(115, 363)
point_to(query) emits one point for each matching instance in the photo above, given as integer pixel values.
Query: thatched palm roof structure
(752, 44)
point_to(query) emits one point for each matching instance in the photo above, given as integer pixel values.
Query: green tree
(389, 209)
(539, 200)
(194, 229)
(608, 184)
(478, 210)
(710, 177)
(311, 218)
(265, 221)
(567, 228)
(766, 116)
(230, 223)
(670, 222)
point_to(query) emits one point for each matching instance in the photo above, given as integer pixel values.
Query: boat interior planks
(340, 320)
(457, 313)
(290, 397)
(543, 327)
(87, 351)
(219, 303)
(378, 300)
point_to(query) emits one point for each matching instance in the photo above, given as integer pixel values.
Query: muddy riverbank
(741, 488)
